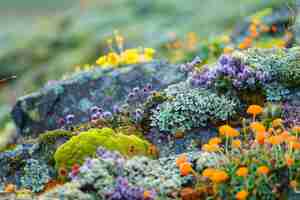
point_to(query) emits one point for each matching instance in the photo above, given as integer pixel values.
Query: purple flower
(136, 90)
(95, 116)
(95, 109)
(107, 115)
(70, 118)
(224, 60)
(116, 109)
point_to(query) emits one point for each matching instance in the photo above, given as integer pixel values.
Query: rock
(41, 111)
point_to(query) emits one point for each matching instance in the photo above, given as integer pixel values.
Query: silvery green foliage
(193, 108)
(151, 174)
(36, 175)
(276, 92)
(163, 175)
(69, 191)
(98, 174)
(282, 65)
(209, 160)
(175, 89)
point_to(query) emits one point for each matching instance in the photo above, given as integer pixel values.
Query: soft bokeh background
(42, 40)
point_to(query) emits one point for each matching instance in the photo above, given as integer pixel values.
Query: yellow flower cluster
(128, 56)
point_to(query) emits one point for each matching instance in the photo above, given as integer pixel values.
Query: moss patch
(86, 143)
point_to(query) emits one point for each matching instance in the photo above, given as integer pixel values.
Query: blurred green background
(41, 40)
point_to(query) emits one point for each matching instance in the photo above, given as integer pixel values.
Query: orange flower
(223, 129)
(260, 138)
(242, 171)
(185, 168)
(263, 170)
(289, 161)
(247, 41)
(275, 140)
(242, 45)
(285, 135)
(257, 127)
(181, 159)
(274, 28)
(296, 129)
(10, 188)
(242, 195)
(277, 123)
(211, 147)
(292, 138)
(219, 176)
(254, 110)
(147, 194)
(295, 145)
(228, 131)
(215, 140)
(236, 144)
(208, 172)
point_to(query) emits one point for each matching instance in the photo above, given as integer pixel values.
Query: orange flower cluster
(213, 145)
(185, 168)
(228, 131)
(215, 175)
(184, 165)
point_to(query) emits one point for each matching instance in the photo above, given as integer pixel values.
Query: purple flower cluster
(190, 66)
(139, 94)
(291, 112)
(99, 113)
(68, 120)
(233, 70)
(124, 191)
(115, 156)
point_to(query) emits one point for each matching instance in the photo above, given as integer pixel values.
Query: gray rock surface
(41, 111)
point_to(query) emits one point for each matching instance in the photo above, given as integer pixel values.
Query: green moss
(86, 143)
(50, 137)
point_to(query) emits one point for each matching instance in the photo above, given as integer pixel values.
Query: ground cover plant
(180, 117)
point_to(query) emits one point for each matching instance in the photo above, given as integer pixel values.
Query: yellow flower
(263, 170)
(242, 195)
(236, 143)
(113, 59)
(215, 140)
(228, 50)
(102, 61)
(210, 147)
(149, 52)
(277, 123)
(130, 56)
(242, 171)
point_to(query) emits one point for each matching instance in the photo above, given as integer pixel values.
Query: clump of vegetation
(85, 145)
(262, 163)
